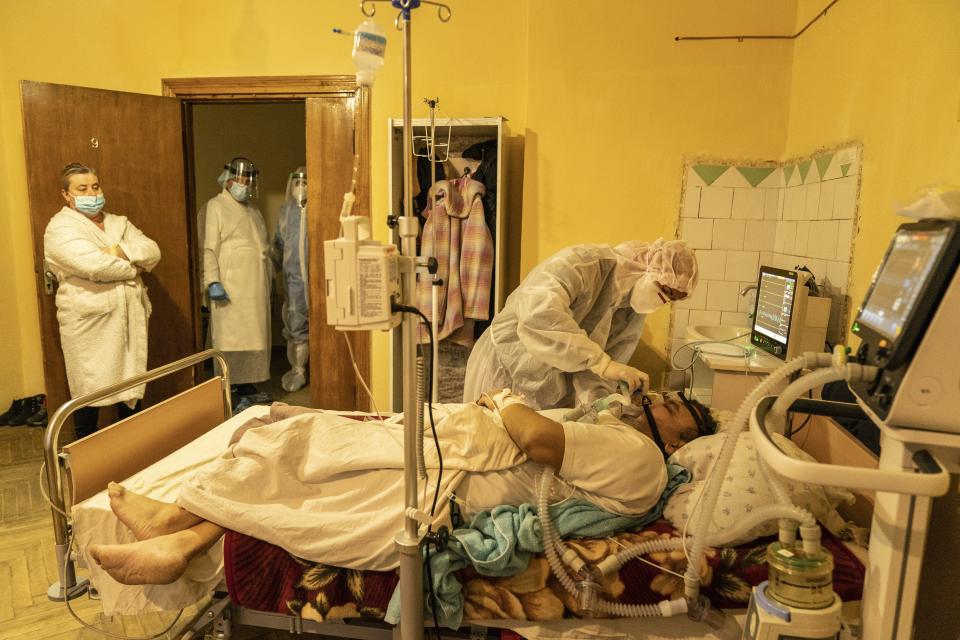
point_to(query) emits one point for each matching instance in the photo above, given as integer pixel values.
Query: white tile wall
(696, 300)
(736, 229)
(711, 264)
(697, 233)
(828, 192)
(716, 202)
(794, 202)
(728, 234)
(843, 247)
(812, 204)
(771, 201)
(748, 203)
(734, 319)
(760, 235)
(722, 295)
(691, 202)
(709, 318)
(742, 266)
(845, 198)
(803, 238)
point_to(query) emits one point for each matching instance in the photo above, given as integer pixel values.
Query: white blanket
(94, 522)
(330, 489)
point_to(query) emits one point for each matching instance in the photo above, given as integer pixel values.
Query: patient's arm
(539, 437)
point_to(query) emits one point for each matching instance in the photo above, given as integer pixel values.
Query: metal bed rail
(67, 586)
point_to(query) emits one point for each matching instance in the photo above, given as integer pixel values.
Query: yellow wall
(614, 103)
(606, 101)
(476, 63)
(886, 72)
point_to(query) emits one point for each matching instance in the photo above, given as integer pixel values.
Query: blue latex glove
(217, 292)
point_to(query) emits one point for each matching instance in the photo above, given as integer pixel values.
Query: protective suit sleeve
(142, 251)
(625, 330)
(545, 325)
(71, 253)
(211, 245)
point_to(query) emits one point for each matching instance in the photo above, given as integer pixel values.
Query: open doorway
(271, 134)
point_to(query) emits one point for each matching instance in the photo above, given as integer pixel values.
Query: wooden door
(336, 129)
(135, 142)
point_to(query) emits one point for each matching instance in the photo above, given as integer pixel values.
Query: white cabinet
(464, 134)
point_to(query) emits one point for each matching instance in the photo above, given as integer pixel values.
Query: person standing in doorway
(102, 305)
(290, 251)
(237, 274)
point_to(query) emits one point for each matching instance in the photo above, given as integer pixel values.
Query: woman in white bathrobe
(102, 305)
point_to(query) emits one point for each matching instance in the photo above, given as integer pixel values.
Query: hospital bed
(257, 584)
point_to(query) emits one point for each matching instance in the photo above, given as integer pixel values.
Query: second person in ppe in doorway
(290, 253)
(237, 273)
(564, 335)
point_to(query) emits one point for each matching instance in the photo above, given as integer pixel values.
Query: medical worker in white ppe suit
(290, 251)
(102, 305)
(237, 273)
(564, 336)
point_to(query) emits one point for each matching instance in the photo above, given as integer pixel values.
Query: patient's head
(676, 421)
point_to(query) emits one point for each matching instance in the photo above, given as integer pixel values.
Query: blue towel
(500, 542)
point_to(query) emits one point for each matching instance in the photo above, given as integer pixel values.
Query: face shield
(242, 178)
(297, 186)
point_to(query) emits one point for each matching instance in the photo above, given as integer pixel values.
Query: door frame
(284, 88)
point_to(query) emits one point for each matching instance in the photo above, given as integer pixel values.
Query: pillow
(744, 488)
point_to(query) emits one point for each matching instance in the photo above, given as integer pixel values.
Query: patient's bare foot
(158, 561)
(145, 517)
(161, 560)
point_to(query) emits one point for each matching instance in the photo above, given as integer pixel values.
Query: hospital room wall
(614, 105)
(476, 63)
(884, 73)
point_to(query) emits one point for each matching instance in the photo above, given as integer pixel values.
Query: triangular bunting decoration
(804, 169)
(823, 162)
(710, 172)
(755, 175)
(787, 174)
(844, 168)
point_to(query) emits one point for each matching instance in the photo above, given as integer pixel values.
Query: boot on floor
(12, 412)
(30, 406)
(39, 419)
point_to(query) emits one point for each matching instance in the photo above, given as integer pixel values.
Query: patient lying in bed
(330, 489)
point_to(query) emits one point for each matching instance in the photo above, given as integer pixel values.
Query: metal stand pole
(408, 541)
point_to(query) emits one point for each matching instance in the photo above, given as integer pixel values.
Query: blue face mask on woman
(89, 205)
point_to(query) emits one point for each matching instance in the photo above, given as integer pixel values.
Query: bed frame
(81, 469)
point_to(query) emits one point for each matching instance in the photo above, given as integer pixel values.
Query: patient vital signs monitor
(781, 295)
(908, 325)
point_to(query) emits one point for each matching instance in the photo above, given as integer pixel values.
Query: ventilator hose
(629, 610)
(758, 517)
(715, 482)
(550, 537)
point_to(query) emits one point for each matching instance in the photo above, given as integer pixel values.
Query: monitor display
(900, 280)
(775, 297)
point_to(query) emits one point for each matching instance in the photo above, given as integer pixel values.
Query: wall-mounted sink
(719, 333)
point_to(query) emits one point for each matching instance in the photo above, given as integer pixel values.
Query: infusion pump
(362, 279)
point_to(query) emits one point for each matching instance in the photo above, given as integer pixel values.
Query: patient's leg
(161, 560)
(146, 517)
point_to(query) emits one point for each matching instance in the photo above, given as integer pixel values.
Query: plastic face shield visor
(649, 401)
(245, 172)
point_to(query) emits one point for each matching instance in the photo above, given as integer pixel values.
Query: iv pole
(408, 540)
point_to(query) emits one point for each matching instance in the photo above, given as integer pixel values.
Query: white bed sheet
(94, 522)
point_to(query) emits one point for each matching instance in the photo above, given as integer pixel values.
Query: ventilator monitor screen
(901, 278)
(774, 309)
